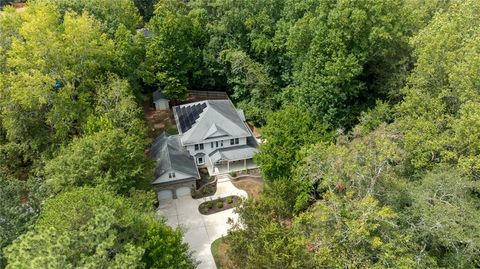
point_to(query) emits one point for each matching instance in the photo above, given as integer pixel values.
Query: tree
(90, 227)
(276, 244)
(109, 158)
(17, 211)
(173, 51)
(444, 219)
(365, 166)
(286, 132)
(51, 76)
(442, 88)
(359, 233)
(112, 16)
(346, 54)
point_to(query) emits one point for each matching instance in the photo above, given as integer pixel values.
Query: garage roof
(169, 154)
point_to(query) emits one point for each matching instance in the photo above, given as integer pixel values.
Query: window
(232, 141)
(200, 160)
(216, 144)
(235, 141)
(211, 145)
(221, 143)
(171, 175)
(198, 146)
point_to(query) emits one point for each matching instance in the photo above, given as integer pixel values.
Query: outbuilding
(160, 101)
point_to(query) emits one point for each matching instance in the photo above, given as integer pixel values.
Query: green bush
(219, 204)
(229, 200)
(209, 204)
(233, 174)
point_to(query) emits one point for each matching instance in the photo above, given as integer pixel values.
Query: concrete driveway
(200, 230)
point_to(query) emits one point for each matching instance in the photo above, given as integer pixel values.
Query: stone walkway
(201, 230)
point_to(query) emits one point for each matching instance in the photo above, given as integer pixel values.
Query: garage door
(164, 195)
(183, 191)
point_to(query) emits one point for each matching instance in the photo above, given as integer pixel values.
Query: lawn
(219, 251)
(253, 186)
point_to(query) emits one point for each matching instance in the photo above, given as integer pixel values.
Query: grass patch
(253, 186)
(219, 250)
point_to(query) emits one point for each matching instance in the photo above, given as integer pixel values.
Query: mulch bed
(205, 209)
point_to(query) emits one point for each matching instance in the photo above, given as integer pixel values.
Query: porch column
(228, 166)
(245, 164)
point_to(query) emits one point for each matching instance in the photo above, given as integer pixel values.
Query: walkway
(201, 230)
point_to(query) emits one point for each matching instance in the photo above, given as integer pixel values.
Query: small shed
(160, 101)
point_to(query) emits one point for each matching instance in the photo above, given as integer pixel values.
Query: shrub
(233, 174)
(219, 204)
(229, 200)
(209, 204)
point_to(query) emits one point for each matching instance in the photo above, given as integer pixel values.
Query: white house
(160, 101)
(215, 133)
(212, 134)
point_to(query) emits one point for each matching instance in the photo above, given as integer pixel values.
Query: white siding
(178, 176)
(207, 145)
(161, 104)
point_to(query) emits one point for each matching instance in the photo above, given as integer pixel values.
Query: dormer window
(234, 141)
(198, 146)
(171, 175)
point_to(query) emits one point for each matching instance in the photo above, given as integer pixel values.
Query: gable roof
(157, 95)
(169, 154)
(209, 119)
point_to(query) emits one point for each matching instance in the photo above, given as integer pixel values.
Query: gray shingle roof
(233, 153)
(157, 95)
(169, 154)
(219, 117)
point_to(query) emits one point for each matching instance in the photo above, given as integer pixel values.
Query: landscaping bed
(206, 186)
(218, 205)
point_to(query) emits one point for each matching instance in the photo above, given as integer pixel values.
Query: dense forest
(370, 113)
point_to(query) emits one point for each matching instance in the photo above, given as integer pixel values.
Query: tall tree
(89, 227)
(112, 15)
(174, 49)
(109, 158)
(286, 132)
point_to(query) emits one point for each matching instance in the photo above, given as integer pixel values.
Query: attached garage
(165, 195)
(183, 191)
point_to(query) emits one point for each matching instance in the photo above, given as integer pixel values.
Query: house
(160, 101)
(175, 171)
(215, 133)
(212, 134)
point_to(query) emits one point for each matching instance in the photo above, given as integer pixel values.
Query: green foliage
(346, 54)
(444, 218)
(110, 158)
(219, 204)
(112, 15)
(344, 231)
(89, 246)
(45, 52)
(172, 52)
(438, 110)
(276, 245)
(229, 200)
(17, 211)
(92, 227)
(286, 132)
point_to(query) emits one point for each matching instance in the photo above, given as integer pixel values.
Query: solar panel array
(187, 115)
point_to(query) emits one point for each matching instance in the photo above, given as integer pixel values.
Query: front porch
(225, 167)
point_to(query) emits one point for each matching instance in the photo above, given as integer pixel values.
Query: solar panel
(188, 114)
